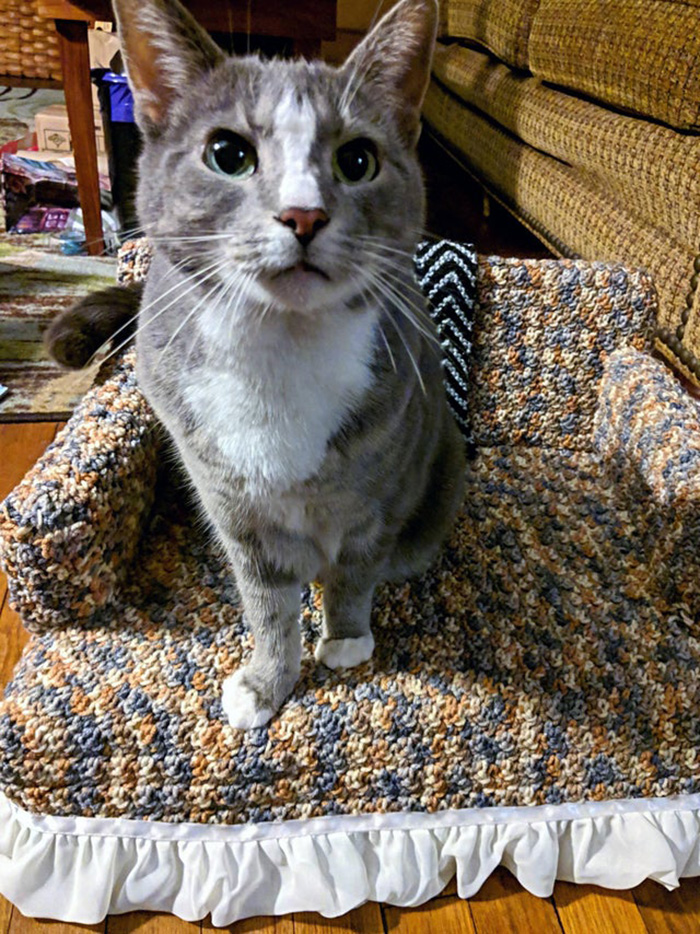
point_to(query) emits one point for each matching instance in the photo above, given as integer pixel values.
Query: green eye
(230, 154)
(356, 161)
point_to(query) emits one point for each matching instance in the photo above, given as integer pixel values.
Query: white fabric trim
(81, 869)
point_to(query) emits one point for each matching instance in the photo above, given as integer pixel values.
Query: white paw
(242, 704)
(344, 653)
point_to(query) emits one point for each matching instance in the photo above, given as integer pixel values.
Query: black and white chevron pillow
(446, 273)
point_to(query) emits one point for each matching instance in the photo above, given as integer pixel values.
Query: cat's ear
(164, 49)
(394, 59)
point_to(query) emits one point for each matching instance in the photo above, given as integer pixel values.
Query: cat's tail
(77, 333)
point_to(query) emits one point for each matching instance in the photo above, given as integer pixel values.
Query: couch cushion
(502, 27)
(652, 169)
(576, 217)
(640, 55)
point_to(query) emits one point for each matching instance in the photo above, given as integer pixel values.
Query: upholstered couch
(583, 117)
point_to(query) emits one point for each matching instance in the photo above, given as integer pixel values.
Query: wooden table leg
(75, 62)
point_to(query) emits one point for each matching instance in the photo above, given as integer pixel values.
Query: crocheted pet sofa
(532, 700)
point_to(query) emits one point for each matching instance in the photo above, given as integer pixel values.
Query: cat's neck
(252, 324)
(275, 390)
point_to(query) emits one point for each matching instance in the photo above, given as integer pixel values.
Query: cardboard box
(53, 134)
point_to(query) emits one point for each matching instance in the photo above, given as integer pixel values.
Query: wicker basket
(28, 42)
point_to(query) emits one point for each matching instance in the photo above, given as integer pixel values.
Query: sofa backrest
(543, 331)
(638, 55)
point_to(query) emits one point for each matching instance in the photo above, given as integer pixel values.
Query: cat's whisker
(377, 299)
(392, 271)
(408, 351)
(418, 232)
(417, 307)
(378, 243)
(191, 238)
(218, 297)
(388, 348)
(141, 310)
(400, 333)
(233, 289)
(265, 312)
(388, 267)
(402, 304)
(239, 288)
(186, 319)
(199, 281)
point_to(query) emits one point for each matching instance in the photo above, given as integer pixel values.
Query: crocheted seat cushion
(531, 699)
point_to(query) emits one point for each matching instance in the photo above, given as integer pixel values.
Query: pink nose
(305, 224)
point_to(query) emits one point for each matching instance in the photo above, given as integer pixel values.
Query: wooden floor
(501, 907)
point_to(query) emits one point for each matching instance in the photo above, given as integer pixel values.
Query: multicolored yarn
(69, 531)
(542, 333)
(649, 422)
(545, 658)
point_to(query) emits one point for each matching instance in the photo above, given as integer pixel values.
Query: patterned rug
(36, 283)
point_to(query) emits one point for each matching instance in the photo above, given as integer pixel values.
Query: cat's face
(297, 182)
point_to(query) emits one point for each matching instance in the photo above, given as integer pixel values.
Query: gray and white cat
(282, 340)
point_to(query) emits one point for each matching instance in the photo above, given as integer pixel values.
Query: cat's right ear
(164, 48)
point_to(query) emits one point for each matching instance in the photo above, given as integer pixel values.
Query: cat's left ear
(395, 58)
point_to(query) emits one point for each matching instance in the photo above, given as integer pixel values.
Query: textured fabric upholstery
(639, 55)
(502, 27)
(593, 140)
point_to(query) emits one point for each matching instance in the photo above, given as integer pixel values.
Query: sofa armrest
(543, 330)
(648, 423)
(69, 531)
(647, 429)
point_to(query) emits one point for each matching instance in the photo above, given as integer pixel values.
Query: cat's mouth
(301, 286)
(303, 268)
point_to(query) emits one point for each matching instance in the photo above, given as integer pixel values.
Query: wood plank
(586, 908)
(450, 888)
(440, 916)
(664, 912)
(502, 906)
(255, 926)
(146, 922)
(20, 446)
(13, 638)
(364, 920)
(5, 912)
(62, 9)
(21, 925)
(312, 19)
(19, 81)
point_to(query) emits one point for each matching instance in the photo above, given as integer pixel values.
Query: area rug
(532, 700)
(37, 283)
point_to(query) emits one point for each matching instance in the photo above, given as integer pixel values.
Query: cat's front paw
(344, 653)
(245, 705)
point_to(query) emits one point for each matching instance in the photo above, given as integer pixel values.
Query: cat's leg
(424, 533)
(254, 693)
(346, 639)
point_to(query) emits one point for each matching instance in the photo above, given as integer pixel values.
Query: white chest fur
(272, 403)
